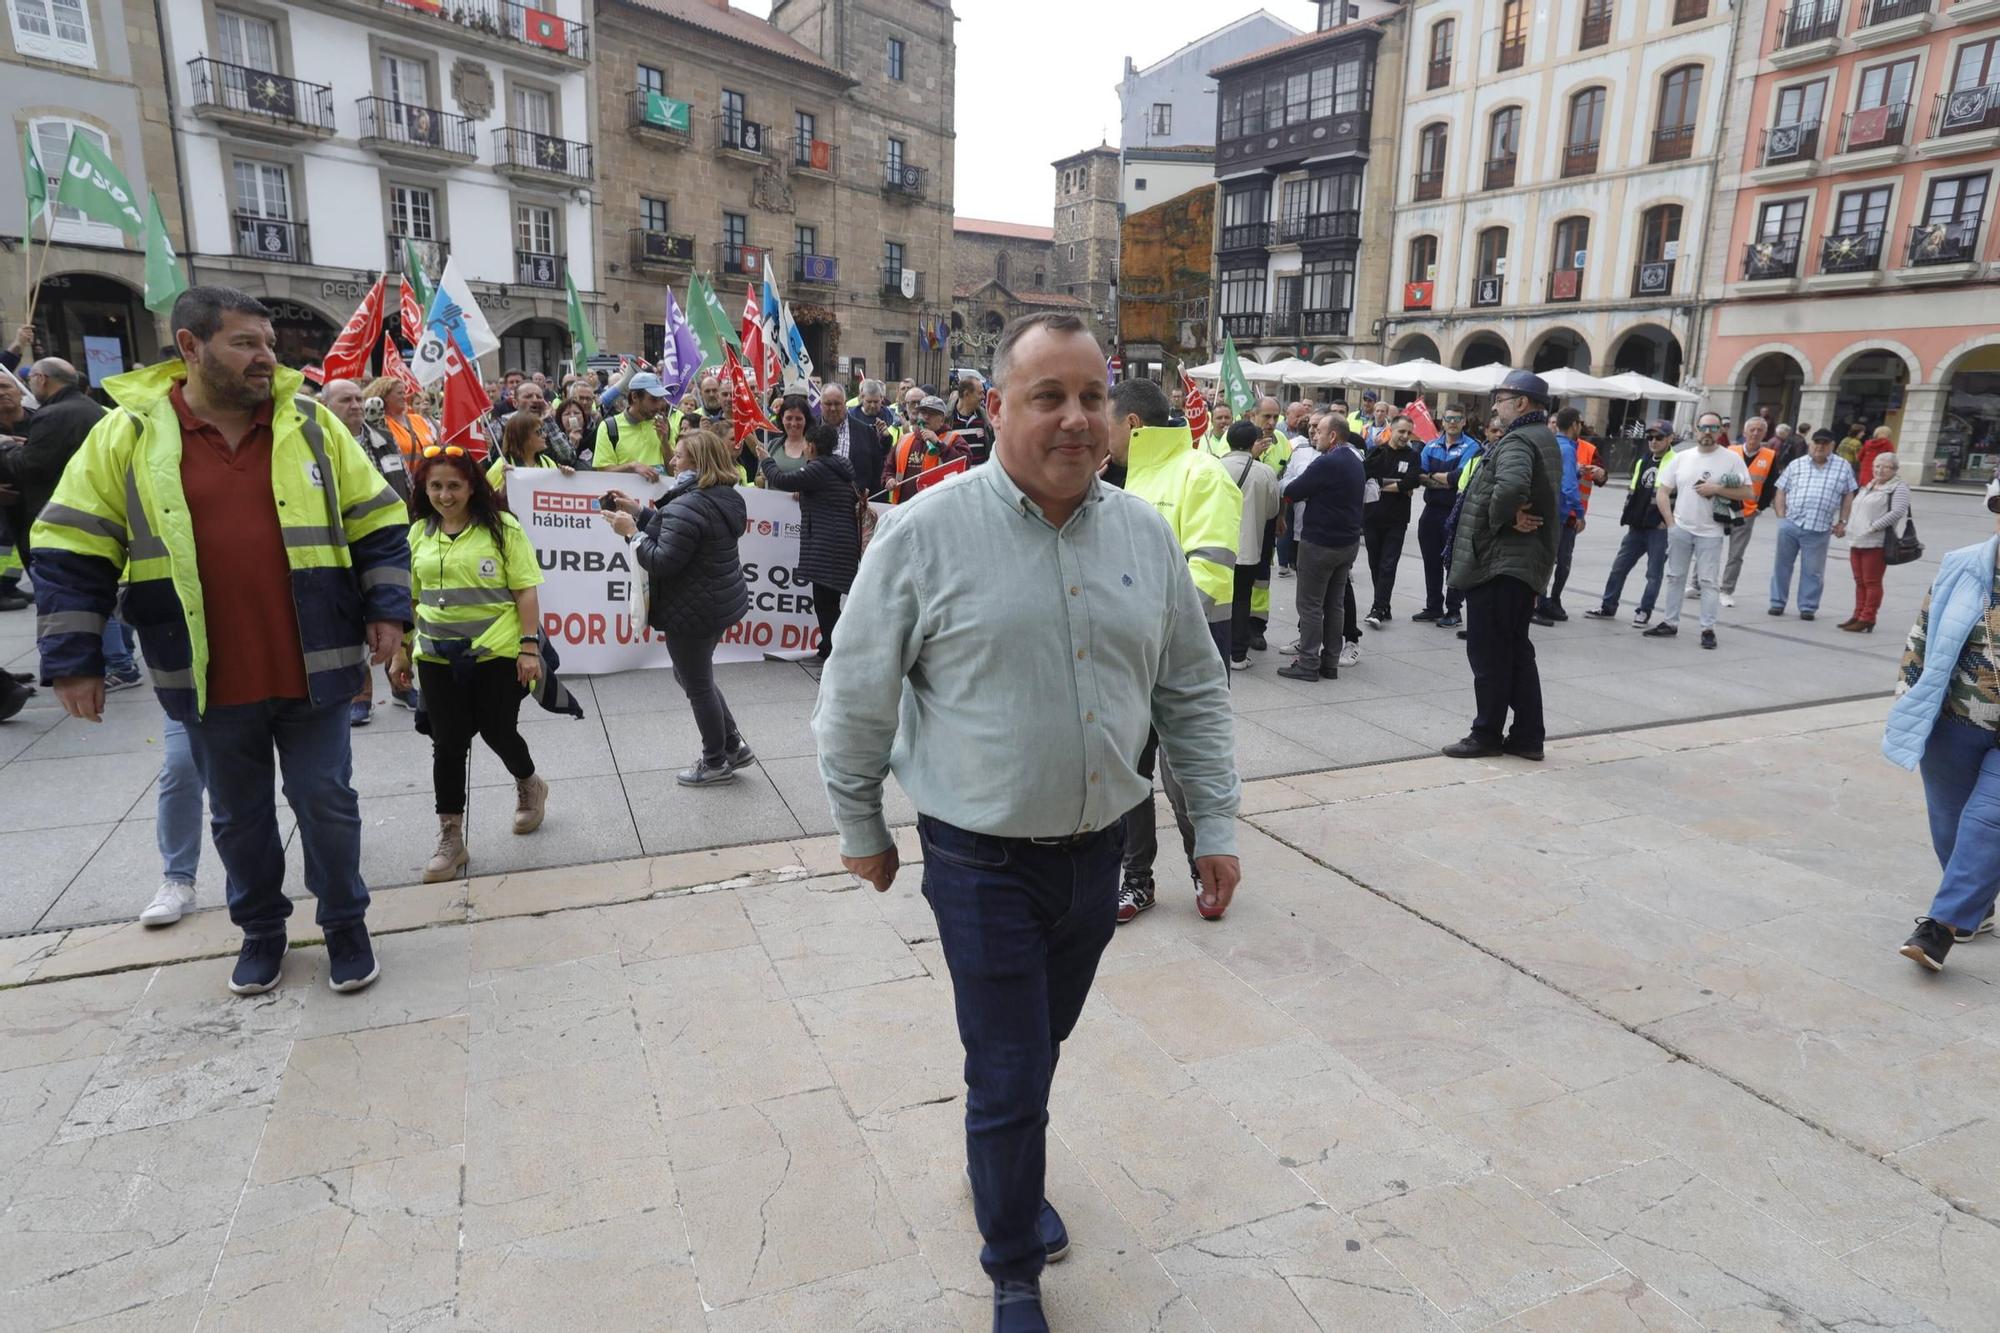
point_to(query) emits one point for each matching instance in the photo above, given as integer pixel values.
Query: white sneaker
(1239, 664)
(1727, 600)
(1350, 654)
(169, 905)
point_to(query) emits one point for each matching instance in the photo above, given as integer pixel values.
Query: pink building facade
(1861, 277)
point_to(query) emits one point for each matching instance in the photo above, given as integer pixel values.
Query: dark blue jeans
(1649, 544)
(234, 749)
(1022, 925)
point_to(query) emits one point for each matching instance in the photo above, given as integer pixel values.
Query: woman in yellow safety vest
(521, 445)
(472, 577)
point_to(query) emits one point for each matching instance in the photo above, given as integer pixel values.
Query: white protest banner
(587, 569)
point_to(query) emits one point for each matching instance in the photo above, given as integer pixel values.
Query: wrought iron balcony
(1283, 324)
(1954, 242)
(1808, 22)
(1326, 323)
(1438, 74)
(1565, 284)
(1874, 13)
(1579, 159)
(1790, 143)
(1653, 277)
(904, 282)
(900, 178)
(653, 113)
(822, 270)
(1673, 143)
(1429, 185)
(430, 253)
(1246, 236)
(532, 268)
(1513, 54)
(259, 97)
(816, 155)
(741, 261)
(1851, 251)
(1966, 111)
(1487, 291)
(1771, 260)
(733, 134)
(668, 249)
(1875, 127)
(389, 126)
(1500, 172)
(525, 151)
(507, 21)
(1244, 326)
(1343, 225)
(279, 240)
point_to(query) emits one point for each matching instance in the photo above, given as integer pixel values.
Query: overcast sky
(1038, 79)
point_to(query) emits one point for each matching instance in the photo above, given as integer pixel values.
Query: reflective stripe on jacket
(120, 510)
(1199, 502)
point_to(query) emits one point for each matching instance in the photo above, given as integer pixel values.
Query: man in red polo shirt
(267, 564)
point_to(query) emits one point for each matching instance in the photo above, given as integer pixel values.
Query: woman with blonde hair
(411, 432)
(687, 546)
(522, 444)
(1874, 525)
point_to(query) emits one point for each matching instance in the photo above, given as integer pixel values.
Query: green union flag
(665, 112)
(1235, 386)
(164, 279)
(583, 341)
(94, 187)
(35, 180)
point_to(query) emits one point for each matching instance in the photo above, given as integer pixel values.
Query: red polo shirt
(246, 582)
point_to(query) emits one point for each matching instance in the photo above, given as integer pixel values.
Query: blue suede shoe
(1017, 1308)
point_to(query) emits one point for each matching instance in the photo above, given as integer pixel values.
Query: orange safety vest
(928, 462)
(1586, 456)
(413, 441)
(1760, 468)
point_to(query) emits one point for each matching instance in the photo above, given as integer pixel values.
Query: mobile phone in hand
(608, 503)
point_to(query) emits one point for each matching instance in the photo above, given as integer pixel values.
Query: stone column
(1816, 402)
(1917, 432)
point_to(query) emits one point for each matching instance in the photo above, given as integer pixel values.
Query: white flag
(454, 316)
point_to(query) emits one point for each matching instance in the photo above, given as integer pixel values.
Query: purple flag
(680, 359)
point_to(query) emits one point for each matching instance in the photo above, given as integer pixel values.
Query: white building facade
(316, 138)
(1558, 158)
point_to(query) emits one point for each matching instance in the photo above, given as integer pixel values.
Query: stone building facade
(1086, 235)
(1002, 270)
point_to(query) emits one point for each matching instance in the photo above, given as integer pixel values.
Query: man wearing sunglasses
(1692, 493)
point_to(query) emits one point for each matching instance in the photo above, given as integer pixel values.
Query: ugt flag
(347, 359)
(465, 404)
(1196, 407)
(455, 319)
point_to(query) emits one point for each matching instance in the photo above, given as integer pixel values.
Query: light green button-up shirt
(1007, 672)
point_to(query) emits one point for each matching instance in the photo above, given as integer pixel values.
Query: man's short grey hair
(1054, 321)
(1263, 402)
(875, 387)
(199, 310)
(1143, 399)
(57, 369)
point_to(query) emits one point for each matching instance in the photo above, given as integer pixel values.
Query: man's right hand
(82, 696)
(1526, 520)
(878, 870)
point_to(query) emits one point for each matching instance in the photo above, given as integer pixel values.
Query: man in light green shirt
(1013, 710)
(642, 439)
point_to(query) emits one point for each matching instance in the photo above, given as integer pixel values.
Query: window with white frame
(405, 80)
(247, 41)
(1162, 119)
(535, 229)
(52, 138)
(413, 212)
(53, 30)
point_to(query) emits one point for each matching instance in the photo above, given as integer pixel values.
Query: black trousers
(1242, 628)
(1504, 674)
(485, 703)
(1565, 551)
(826, 605)
(1383, 539)
(694, 668)
(1430, 541)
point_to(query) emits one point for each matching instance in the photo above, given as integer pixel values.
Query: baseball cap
(1370, 396)
(1822, 436)
(1663, 427)
(933, 403)
(646, 382)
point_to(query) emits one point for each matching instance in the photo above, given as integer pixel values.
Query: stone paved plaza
(1615, 1042)
(77, 800)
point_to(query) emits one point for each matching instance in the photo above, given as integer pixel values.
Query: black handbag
(1902, 550)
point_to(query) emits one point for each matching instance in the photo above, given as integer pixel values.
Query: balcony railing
(1771, 259)
(735, 135)
(1790, 143)
(1513, 54)
(532, 268)
(1875, 12)
(1566, 284)
(1246, 236)
(1955, 242)
(430, 253)
(1851, 251)
(1429, 184)
(900, 178)
(1810, 21)
(1486, 291)
(816, 268)
(401, 125)
(1596, 27)
(1283, 324)
(1326, 323)
(1438, 75)
(1344, 225)
(1653, 277)
(1690, 11)
(1875, 127)
(904, 282)
(741, 261)
(1673, 143)
(816, 155)
(1244, 326)
(658, 114)
(526, 150)
(1500, 172)
(276, 239)
(1579, 159)
(512, 22)
(1966, 111)
(276, 98)
(662, 247)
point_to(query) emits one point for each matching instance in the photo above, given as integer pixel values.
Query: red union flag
(465, 404)
(409, 312)
(754, 350)
(1196, 408)
(545, 29)
(1421, 424)
(745, 414)
(347, 359)
(393, 366)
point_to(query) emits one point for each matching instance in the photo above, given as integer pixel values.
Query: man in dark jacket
(1503, 556)
(54, 433)
(14, 415)
(1645, 530)
(1394, 468)
(871, 430)
(1329, 540)
(968, 419)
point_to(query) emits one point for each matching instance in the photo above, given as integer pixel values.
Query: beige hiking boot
(531, 802)
(448, 861)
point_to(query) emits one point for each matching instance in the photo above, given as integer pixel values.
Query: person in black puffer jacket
(687, 547)
(830, 536)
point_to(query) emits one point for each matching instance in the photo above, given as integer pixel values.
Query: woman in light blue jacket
(1946, 722)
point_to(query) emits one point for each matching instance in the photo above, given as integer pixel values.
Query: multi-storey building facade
(1557, 167)
(1086, 251)
(1003, 270)
(889, 215)
(92, 69)
(1861, 276)
(316, 139)
(1305, 169)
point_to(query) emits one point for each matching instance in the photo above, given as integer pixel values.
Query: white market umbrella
(1213, 370)
(1645, 386)
(1285, 368)
(1336, 373)
(1569, 383)
(1419, 374)
(1485, 379)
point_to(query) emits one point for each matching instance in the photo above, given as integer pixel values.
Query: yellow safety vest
(465, 586)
